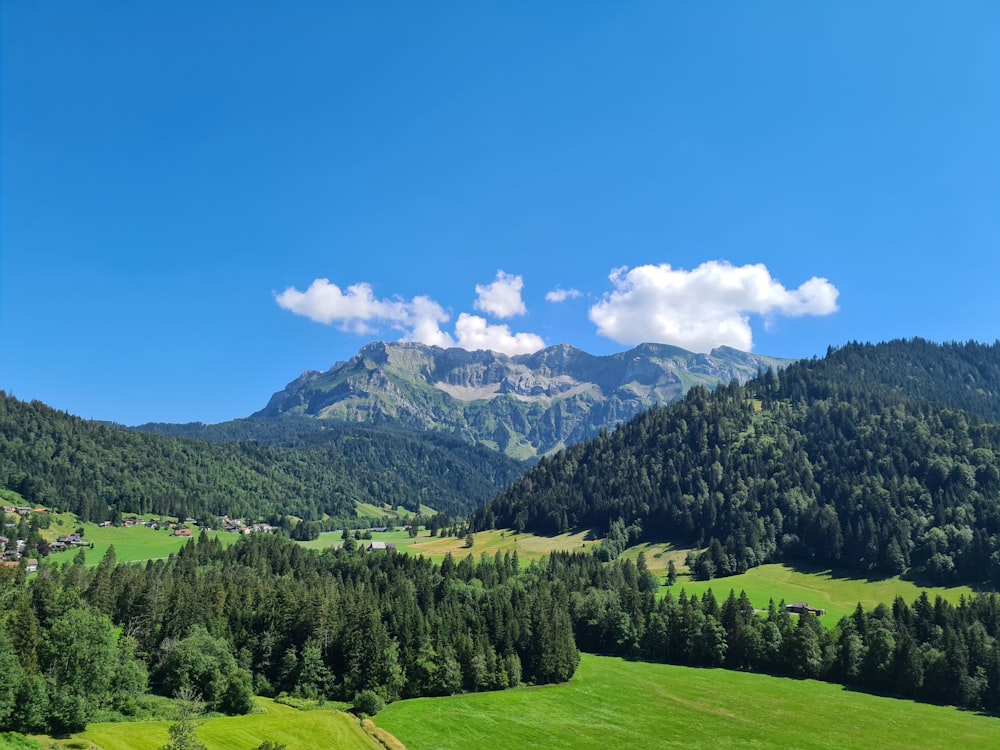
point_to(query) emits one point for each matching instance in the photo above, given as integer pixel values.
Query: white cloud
(357, 310)
(702, 308)
(425, 323)
(474, 332)
(502, 298)
(561, 295)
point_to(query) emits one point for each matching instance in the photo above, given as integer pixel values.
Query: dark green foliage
(859, 461)
(367, 703)
(95, 470)
(206, 665)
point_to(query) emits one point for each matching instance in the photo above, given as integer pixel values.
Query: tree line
(928, 650)
(266, 616)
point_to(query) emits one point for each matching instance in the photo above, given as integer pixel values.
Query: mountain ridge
(522, 405)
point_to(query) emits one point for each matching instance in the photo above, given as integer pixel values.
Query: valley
(834, 483)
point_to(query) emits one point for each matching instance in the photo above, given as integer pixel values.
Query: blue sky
(200, 200)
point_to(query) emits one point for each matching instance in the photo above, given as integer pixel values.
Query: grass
(319, 729)
(378, 512)
(133, 544)
(529, 547)
(612, 703)
(838, 595)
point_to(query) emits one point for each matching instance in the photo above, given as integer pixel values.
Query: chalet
(10, 509)
(10, 564)
(801, 608)
(376, 546)
(32, 565)
(183, 532)
(104, 524)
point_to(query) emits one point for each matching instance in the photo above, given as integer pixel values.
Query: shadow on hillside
(920, 581)
(911, 699)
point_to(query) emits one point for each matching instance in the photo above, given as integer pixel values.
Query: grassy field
(529, 547)
(822, 589)
(378, 512)
(133, 544)
(322, 730)
(611, 703)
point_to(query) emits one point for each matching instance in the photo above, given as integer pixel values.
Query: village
(17, 552)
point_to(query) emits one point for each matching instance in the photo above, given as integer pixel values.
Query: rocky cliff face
(523, 406)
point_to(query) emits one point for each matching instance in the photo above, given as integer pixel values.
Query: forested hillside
(92, 469)
(875, 458)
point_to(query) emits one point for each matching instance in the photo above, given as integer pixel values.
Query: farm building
(802, 608)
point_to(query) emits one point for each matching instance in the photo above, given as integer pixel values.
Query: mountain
(94, 469)
(523, 406)
(878, 458)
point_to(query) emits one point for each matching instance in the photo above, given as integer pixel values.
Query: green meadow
(529, 546)
(133, 544)
(821, 589)
(612, 703)
(320, 729)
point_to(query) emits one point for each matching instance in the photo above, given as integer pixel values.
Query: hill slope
(89, 468)
(859, 460)
(523, 406)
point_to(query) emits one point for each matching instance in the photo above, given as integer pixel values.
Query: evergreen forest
(875, 459)
(254, 469)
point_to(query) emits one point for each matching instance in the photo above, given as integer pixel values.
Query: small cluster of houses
(237, 526)
(182, 527)
(129, 521)
(69, 541)
(12, 555)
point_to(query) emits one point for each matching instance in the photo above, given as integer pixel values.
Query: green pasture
(612, 703)
(321, 729)
(400, 538)
(838, 595)
(529, 546)
(136, 543)
(378, 512)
